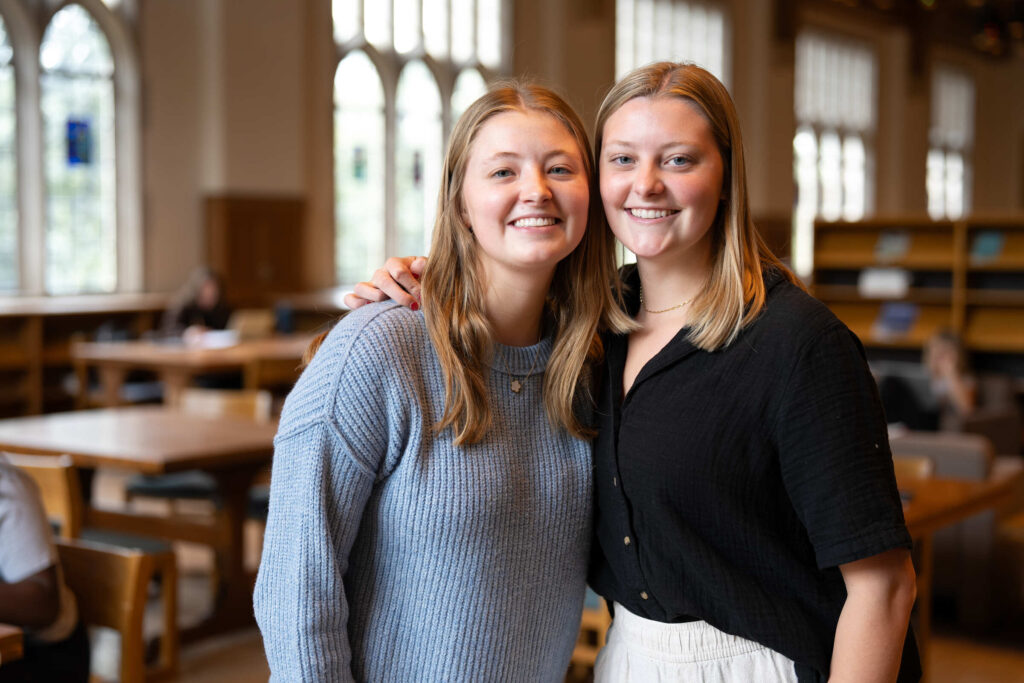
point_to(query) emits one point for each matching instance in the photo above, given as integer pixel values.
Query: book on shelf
(987, 246)
(883, 283)
(895, 319)
(891, 245)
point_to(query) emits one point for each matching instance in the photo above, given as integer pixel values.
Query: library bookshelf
(35, 342)
(896, 281)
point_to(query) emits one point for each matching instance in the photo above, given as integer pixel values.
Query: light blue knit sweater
(392, 555)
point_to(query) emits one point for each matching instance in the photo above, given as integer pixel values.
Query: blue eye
(502, 173)
(561, 170)
(621, 159)
(680, 161)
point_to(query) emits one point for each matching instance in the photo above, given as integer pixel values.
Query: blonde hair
(734, 293)
(584, 296)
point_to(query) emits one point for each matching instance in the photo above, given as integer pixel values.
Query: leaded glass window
(8, 168)
(950, 141)
(77, 102)
(835, 103)
(670, 30)
(393, 111)
(469, 86)
(358, 164)
(418, 157)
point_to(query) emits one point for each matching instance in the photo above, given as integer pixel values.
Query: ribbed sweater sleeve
(321, 479)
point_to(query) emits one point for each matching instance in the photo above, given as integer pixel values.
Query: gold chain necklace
(516, 386)
(664, 310)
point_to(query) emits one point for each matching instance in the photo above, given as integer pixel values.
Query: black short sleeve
(834, 452)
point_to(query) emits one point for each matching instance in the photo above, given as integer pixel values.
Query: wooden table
(11, 643)
(176, 364)
(930, 504)
(158, 440)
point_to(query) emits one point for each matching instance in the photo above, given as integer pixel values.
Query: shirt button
(643, 595)
(626, 540)
(615, 481)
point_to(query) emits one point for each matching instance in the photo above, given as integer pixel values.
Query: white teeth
(651, 213)
(533, 222)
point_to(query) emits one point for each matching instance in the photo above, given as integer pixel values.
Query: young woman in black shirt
(748, 526)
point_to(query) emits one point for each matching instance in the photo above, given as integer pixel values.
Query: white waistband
(691, 641)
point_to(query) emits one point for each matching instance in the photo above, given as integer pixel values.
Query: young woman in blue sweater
(445, 537)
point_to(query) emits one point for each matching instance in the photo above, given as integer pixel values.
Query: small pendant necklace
(663, 310)
(515, 385)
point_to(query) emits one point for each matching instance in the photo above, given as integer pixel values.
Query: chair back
(277, 375)
(913, 467)
(109, 583)
(962, 456)
(252, 323)
(60, 489)
(250, 403)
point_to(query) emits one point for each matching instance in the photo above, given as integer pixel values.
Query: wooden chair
(913, 467)
(253, 404)
(252, 323)
(110, 585)
(58, 482)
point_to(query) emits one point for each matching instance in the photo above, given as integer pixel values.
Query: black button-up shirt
(730, 485)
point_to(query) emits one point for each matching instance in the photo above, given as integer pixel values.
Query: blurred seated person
(33, 594)
(199, 306)
(950, 389)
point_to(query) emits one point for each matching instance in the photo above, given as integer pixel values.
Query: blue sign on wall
(79, 142)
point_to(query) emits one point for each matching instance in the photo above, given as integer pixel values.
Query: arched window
(468, 86)
(418, 157)
(77, 101)
(417, 64)
(358, 165)
(8, 167)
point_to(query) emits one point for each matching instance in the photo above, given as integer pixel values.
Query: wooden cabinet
(966, 275)
(256, 243)
(35, 342)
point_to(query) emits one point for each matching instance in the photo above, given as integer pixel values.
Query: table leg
(82, 379)
(174, 383)
(111, 381)
(233, 598)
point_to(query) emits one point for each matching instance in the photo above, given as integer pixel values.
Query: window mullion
(390, 150)
(31, 195)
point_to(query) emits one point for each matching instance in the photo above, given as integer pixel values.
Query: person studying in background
(944, 394)
(33, 594)
(198, 306)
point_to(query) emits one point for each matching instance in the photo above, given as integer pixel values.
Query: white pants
(643, 651)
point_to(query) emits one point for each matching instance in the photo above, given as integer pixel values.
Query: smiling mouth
(651, 213)
(534, 222)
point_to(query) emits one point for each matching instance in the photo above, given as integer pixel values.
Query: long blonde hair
(583, 298)
(734, 293)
